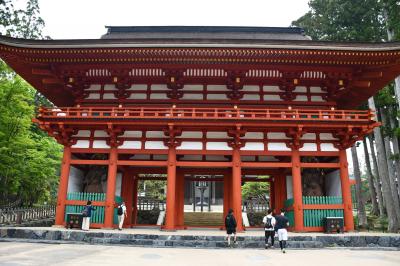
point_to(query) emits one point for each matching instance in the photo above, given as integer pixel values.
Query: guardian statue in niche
(313, 179)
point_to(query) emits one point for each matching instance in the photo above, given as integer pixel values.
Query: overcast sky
(80, 19)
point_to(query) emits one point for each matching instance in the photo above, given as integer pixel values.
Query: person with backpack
(281, 226)
(121, 215)
(269, 227)
(87, 213)
(230, 225)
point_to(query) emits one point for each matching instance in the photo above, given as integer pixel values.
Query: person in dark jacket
(87, 213)
(230, 225)
(282, 223)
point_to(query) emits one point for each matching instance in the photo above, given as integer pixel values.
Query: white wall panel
(251, 97)
(328, 147)
(109, 96)
(132, 134)
(219, 146)
(128, 144)
(110, 87)
(219, 135)
(309, 147)
(155, 134)
(138, 96)
(272, 98)
(326, 136)
(158, 96)
(193, 87)
(83, 133)
(100, 144)
(93, 96)
(250, 88)
(271, 88)
(190, 145)
(253, 146)
(316, 89)
(100, 133)
(191, 134)
(138, 87)
(277, 135)
(159, 87)
(152, 145)
(254, 135)
(192, 96)
(300, 89)
(279, 146)
(217, 97)
(81, 144)
(309, 136)
(217, 88)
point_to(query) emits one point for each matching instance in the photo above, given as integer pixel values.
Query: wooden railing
(12, 216)
(148, 204)
(205, 113)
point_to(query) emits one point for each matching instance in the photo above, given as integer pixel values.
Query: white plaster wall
(279, 146)
(81, 144)
(221, 146)
(253, 146)
(190, 145)
(289, 187)
(332, 184)
(75, 180)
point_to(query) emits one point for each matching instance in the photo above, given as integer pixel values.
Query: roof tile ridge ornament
(295, 135)
(114, 133)
(235, 82)
(288, 84)
(236, 134)
(174, 82)
(172, 133)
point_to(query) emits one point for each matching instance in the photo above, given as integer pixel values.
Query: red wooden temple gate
(184, 100)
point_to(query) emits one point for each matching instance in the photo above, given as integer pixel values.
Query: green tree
(255, 190)
(360, 20)
(29, 159)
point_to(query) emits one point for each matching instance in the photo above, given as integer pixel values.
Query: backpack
(85, 212)
(120, 211)
(268, 223)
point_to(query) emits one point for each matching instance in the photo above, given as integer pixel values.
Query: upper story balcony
(203, 115)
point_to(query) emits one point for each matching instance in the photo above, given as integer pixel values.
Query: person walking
(281, 226)
(121, 215)
(87, 213)
(230, 225)
(269, 227)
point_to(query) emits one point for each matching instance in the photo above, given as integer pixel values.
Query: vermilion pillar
(63, 186)
(346, 194)
(110, 196)
(171, 190)
(271, 195)
(227, 193)
(179, 200)
(237, 188)
(128, 200)
(135, 199)
(297, 192)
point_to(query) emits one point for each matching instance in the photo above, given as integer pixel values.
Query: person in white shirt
(269, 227)
(121, 215)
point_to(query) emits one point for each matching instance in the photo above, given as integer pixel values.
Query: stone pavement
(16, 254)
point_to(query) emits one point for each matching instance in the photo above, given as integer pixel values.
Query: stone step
(196, 241)
(199, 243)
(203, 219)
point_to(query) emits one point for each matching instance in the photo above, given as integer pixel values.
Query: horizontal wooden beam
(204, 164)
(266, 165)
(89, 162)
(142, 163)
(319, 165)
(83, 202)
(42, 72)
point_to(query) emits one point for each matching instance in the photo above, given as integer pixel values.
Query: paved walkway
(14, 254)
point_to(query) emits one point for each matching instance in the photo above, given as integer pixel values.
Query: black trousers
(269, 234)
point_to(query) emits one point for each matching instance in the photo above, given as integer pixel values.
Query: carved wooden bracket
(295, 134)
(234, 83)
(172, 132)
(288, 84)
(236, 134)
(174, 83)
(114, 133)
(62, 134)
